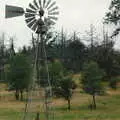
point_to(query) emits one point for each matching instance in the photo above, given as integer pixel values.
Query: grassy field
(108, 107)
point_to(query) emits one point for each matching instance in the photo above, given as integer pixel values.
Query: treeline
(67, 55)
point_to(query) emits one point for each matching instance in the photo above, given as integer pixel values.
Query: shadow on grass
(83, 107)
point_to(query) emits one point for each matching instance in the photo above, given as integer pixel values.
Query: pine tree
(91, 80)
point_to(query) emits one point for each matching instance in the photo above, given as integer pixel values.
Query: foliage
(91, 80)
(65, 89)
(19, 73)
(75, 55)
(56, 72)
(113, 16)
(113, 82)
(105, 57)
(62, 84)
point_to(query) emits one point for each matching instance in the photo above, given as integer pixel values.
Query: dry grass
(108, 107)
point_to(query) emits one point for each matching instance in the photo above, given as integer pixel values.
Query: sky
(75, 15)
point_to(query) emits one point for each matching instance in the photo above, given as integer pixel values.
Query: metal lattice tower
(39, 16)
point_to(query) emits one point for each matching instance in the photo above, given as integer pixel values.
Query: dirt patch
(113, 92)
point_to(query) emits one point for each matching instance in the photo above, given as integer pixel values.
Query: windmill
(39, 17)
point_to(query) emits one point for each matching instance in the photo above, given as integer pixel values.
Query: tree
(2, 56)
(105, 56)
(12, 47)
(108, 59)
(65, 89)
(62, 83)
(92, 40)
(75, 55)
(113, 16)
(19, 74)
(113, 83)
(91, 80)
(56, 73)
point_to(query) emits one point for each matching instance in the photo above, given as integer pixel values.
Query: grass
(108, 107)
(8, 114)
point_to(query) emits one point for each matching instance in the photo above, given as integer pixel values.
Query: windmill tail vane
(13, 11)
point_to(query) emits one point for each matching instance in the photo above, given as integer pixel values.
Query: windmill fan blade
(35, 3)
(31, 23)
(27, 15)
(49, 1)
(29, 19)
(49, 22)
(44, 1)
(53, 13)
(54, 18)
(51, 5)
(40, 3)
(52, 22)
(13, 11)
(29, 10)
(53, 9)
(31, 6)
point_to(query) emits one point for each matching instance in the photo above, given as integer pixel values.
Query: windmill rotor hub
(41, 12)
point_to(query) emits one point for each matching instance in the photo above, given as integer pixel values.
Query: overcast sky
(74, 15)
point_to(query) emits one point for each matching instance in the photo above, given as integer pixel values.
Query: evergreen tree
(65, 89)
(62, 83)
(75, 55)
(56, 73)
(19, 74)
(91, 80)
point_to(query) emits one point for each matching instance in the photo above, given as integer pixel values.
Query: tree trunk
(17, 94)
(38, 116)
(94, 101)
(21, 92)
(69, 104)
